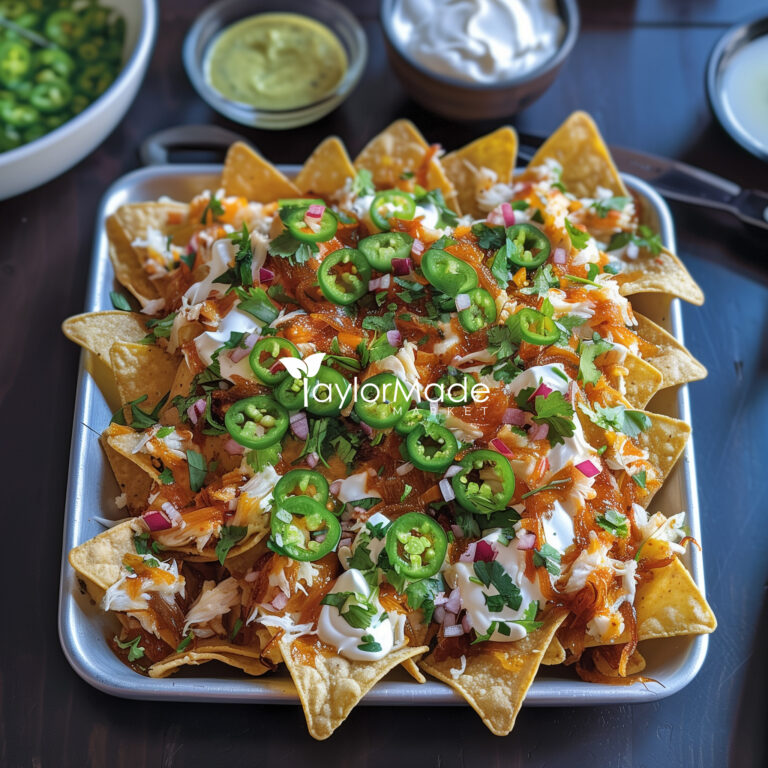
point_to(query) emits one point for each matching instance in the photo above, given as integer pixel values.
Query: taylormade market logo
(371, 391)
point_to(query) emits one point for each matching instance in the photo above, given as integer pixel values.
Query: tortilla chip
(246, 658)
(399, 148)
(495, 681)
(664, 441)
(554, 655)
(99, 560)
(127, 265)
(675, 363)
(98, 331)
(132, 480)
(670, 604)
(330, 688)
(124, 444)
(142, 369)
(182, 383)
(327, 169)
(256, 536)
(496, 151)
(664, 273)
(249, 175)
(642, 382)
(587, 164)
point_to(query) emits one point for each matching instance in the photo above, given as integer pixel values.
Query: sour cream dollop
(479, 41)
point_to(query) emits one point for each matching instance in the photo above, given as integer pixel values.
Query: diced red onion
(559, 256)
(463, 302)
(153, 306)
(526, 540)
(440, 599)
(196, 410)
(541, 391)
(453, 604)
(499, 445)
(458, 531)
(312, 460)
(446, 489)
(300, 425)
(266, 275)
(279, 601)
(495, 218)
(468, 555)
(439, 614)
(234, 448)
(417, 248)
(402, 266)
(320, 538)
(335, 487)
(466, 622)
(538, 432)
(515, 416)
(485, 551)
(508, 214)
(276, 366)
(345, 542)
(315, 211)
(453, 630)
(395, 338)
(587, 468)
(380, 283)
(238, 353)
(367, 428)
(454, 469)
(156, 520)
(404, 469)
(252, 576)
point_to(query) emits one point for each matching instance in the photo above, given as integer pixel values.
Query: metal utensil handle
(155, 149)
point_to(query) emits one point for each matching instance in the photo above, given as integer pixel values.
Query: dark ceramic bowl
(457, 99)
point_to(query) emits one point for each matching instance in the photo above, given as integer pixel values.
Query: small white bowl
(41, 160)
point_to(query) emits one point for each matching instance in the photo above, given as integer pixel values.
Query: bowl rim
(194, 66)
(731, 41)
(570, 15)
(142, 50)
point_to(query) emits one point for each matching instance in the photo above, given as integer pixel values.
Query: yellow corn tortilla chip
(495, 681)
(127, 265)
(124, 445)
(675, 363)
(98, 560)
(169, 217)
(496, 151)
(664, 441)
(256, 538)
(172, 664)
(326, 170)
(142, 369)
(670, 604)
(587, 164)
(554, 655)
(132, 480)
(182, 382)
(331, 688)
(249, 175)
(98, 331)
(665, 273)
(399, 148)
(642, 382)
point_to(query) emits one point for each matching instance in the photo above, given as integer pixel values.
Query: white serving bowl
(41, 160)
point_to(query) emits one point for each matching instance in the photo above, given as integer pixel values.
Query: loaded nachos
(391, 412)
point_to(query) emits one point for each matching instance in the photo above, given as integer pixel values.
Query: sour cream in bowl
(481, 59)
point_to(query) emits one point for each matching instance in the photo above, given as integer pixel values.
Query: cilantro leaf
(543, 280)
(492, 574)
(639, 478)
(361, 559)
(588, 351)
(601, 207)
(260, 458)
(500, 265)
(159, 328)
(618, 419)
(119, 301)
(565, 325)
(229, 535)
(614, 522)
(241, 272)
(645, 238)
(578, 236)
(421, 594)
(369, 645)
(139, 419)
(360, 610)
(166, 476)
(135, 651)
(215, 207)
(528, 622)
(553, 410)
(184, 644)
(256, 303)
(490, 238)
(362, 184)
(549, 557)
(446, 216)
(501, 342)
(198, 469)
(383, 323)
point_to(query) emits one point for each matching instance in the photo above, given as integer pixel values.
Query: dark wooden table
(639, 69)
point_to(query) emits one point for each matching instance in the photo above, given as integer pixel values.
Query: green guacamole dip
(276, 61)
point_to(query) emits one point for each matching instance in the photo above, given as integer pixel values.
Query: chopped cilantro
(166, 477)
(119, 301)
(639, 478)
(135, 651)
(528, 622)
(614, 522)
(578, 236)
(362, 184)
(492, 574)
(198, 469)
(588, 351)
(255, 302)
(549, 557)
(241, 272)
(159, 328)
(602, 207)
(369, 645)
(446, 216)
(229, 535)
(553, 410)
(383, 323)
(543, 280)
(357, 610)
(488, 237)
(215, 207)
(184, 644)
(421, 594)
